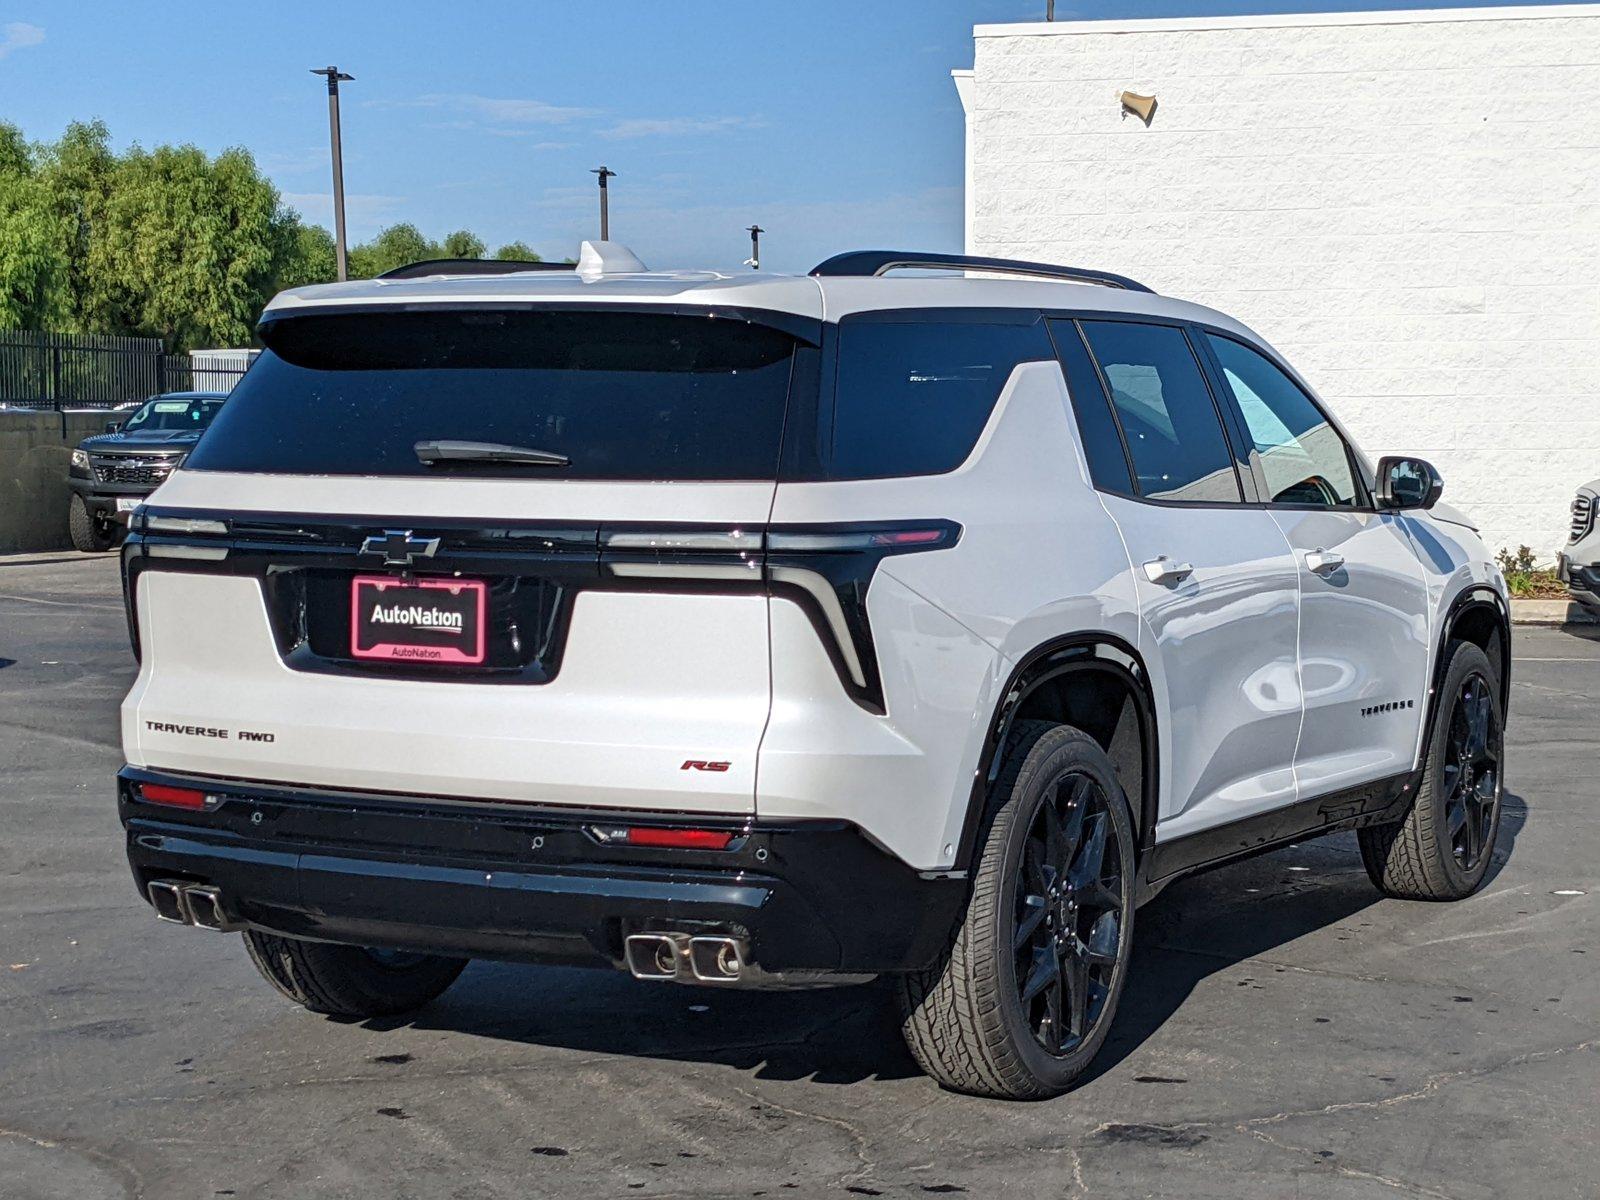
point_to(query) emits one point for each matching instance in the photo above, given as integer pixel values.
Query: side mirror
(113, 426)
(1407, 483)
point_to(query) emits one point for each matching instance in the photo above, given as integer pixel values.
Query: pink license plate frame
(467, 596)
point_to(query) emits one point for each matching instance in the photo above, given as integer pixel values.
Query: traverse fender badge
(399, 548)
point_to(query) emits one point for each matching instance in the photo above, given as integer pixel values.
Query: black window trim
(1247, 490)
(1131, 474)
(1213, 364)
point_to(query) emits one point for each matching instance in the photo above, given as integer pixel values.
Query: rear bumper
(492, 880)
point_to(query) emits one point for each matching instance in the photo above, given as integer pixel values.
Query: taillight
(659, 838)
(173, 797)
(828, 570)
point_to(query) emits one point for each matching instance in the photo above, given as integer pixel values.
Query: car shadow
(1196, 928)
(1214, 921)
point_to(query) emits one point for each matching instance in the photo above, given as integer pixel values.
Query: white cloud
(638, 127)
(499, 110)
(19, 35)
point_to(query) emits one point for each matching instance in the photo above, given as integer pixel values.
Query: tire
(349, 981)
(1442, 848)
(88, 535)
(966, 1019)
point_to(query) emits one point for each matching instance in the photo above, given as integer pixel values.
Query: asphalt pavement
(1285, 1031)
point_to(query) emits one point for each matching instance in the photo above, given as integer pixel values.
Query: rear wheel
(88, 535)
(1442, 849)
(350, 981)
(1024, 997)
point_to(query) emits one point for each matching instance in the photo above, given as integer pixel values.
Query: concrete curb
(1551, 612)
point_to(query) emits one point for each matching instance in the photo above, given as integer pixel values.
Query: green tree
(169, 242)
(188, 247)
(311, 258)
(393, 247)
(35, 270)
(78, 172)
(518, 251)
(461, 244)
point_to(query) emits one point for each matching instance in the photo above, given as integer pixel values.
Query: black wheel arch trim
(1476, 596)
(1080, 653)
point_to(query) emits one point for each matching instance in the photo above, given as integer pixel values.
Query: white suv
(774, 630)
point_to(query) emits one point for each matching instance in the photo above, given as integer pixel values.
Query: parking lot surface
(1285, 1032)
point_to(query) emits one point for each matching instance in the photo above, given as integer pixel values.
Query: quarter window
(912, 397)
(1304, 459)
(1169, 421)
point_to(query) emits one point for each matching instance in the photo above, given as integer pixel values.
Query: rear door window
(1169, 421)
(911, 396)
(618, 395)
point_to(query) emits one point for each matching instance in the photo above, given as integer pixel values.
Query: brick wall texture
(1407, 210)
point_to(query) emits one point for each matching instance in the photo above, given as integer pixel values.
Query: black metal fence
(78, 370)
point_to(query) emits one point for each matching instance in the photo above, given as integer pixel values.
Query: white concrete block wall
(1406, 204)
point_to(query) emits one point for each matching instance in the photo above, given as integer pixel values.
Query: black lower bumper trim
(529, 883)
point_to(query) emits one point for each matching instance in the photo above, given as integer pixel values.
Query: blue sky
(834, 125)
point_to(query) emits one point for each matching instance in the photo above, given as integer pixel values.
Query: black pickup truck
(113, 471)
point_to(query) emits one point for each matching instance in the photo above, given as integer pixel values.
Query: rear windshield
(618, 395)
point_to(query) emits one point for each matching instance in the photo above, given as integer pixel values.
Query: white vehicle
(774, 630)
(1579, 564)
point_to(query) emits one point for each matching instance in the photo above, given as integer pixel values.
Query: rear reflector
(665, 839)
(175, 797)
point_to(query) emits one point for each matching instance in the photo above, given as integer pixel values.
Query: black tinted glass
(1168, 419)
(620, 395)
(1108, 465)
(912, 398)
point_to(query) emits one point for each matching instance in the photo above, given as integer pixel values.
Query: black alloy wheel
(1470, 780)
(1068, 914)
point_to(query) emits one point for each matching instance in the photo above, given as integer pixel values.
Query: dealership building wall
(1404, 203)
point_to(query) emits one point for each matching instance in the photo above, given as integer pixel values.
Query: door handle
(1323, 562)
(1164, 570)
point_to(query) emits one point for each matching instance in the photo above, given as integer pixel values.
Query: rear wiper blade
(446, 451)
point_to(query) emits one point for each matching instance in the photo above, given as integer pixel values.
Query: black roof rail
(470, 266)
(877, 262)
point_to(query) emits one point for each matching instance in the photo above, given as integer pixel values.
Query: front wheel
(1024, 996)
(88, 535)
(1442, 849)
(350, 981)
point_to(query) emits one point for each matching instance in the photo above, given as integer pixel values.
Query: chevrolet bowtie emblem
(399, 548)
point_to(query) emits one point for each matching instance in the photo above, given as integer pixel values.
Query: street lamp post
(605, 173)
(754, 261)
(336, 77)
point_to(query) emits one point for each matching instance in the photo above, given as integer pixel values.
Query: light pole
(1049, 10)
(754, 261)
(336, 77)
(605, 173)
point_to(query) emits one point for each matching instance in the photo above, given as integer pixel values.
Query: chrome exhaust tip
(204, 906)
(656, 955)
(166, 898)
(717, 959)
